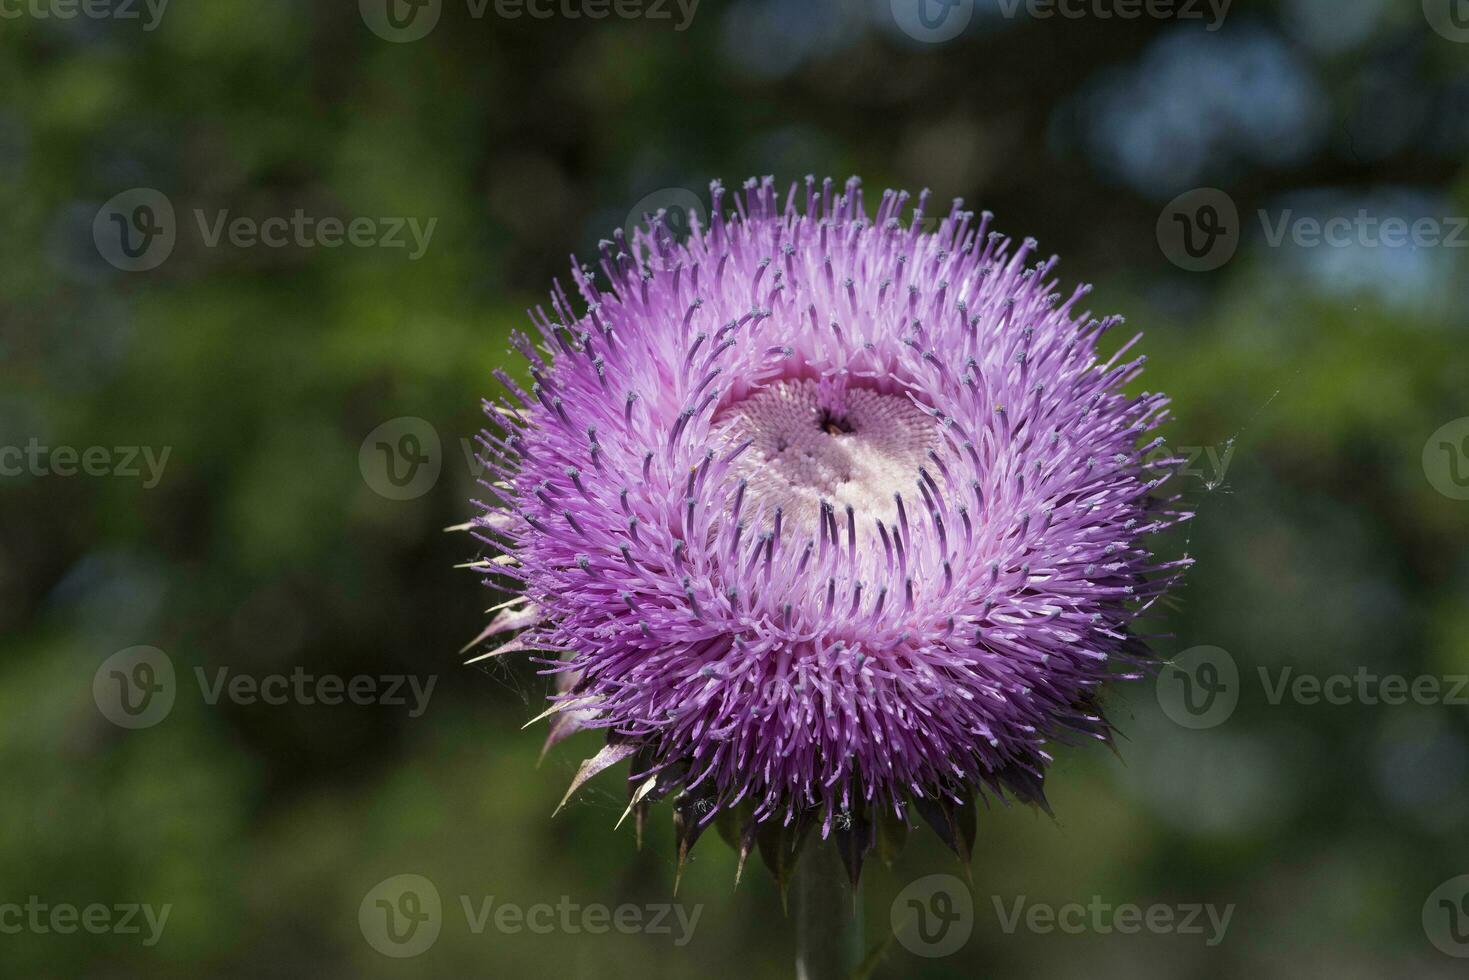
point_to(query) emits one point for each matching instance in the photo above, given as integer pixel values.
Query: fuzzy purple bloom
(823, 514)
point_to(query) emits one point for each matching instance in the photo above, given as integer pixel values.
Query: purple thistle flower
(822, 516)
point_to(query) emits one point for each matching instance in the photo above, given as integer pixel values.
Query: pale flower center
(813, 442)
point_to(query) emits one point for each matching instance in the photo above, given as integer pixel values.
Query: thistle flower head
(825, 520)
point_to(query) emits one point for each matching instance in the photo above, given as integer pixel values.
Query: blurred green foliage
(1323, 547)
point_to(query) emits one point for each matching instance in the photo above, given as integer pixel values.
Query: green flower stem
(828, 918)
